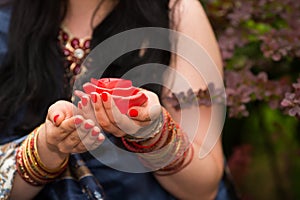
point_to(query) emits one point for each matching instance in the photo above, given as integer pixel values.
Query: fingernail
(133, 113)
(95, 133)
(79, 105)
(55, 118)
(84, 101)
(100, 137)
(94, 98)
(104, 96)
(88, 126)
(78, 121)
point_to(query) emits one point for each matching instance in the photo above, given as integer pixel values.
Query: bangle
(144, 134)
(134, 147)
(40, 163)
(175, 158)
(165, 155)
(21, 168)
(29, 164)
(169, 154)
(137, 145)
(177, 166)
(150, 147)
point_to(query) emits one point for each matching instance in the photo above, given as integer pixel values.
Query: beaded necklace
(75, 49)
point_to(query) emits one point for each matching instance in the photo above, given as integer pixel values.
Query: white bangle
(147, 132)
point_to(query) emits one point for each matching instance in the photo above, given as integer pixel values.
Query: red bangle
(137, 145)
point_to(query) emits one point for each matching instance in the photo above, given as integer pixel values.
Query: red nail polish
(55, 118)
(104, 96)
(79, 105)
(133, 113)
(95, 133)
(78, 121)
(94, 98)
(88, 126)
(84, 101)
(100, 138)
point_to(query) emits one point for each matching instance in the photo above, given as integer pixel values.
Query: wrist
(168, 152)
(155, 141)
(148, 133)
(30, 165)
(49, 153)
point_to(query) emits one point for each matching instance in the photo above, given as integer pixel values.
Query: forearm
(19, 186)
(51, 159)
(172, 153)
(199, 179)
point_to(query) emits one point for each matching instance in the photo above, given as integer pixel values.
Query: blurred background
(260, 45)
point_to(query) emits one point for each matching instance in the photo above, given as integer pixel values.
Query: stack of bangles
(30, 166)
(167, 150)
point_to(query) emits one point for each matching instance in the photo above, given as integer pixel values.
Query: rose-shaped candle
(123, 93)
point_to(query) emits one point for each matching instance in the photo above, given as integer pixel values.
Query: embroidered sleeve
(7, 168)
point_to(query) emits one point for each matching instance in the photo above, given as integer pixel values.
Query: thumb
(59, 111)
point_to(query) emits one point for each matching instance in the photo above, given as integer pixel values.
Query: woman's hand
(61, 134)
(103, 109)
(64, 133)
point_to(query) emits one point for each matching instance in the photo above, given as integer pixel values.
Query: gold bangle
(35, 166)
(21, 168)
(30, 171)
(29, 165)
(59, 169)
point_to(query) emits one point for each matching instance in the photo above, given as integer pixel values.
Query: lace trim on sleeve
(7, 168)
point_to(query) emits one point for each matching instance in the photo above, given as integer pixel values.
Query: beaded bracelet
(30, 166)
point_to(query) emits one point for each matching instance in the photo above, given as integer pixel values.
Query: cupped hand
(66, 132)
(103, 108)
